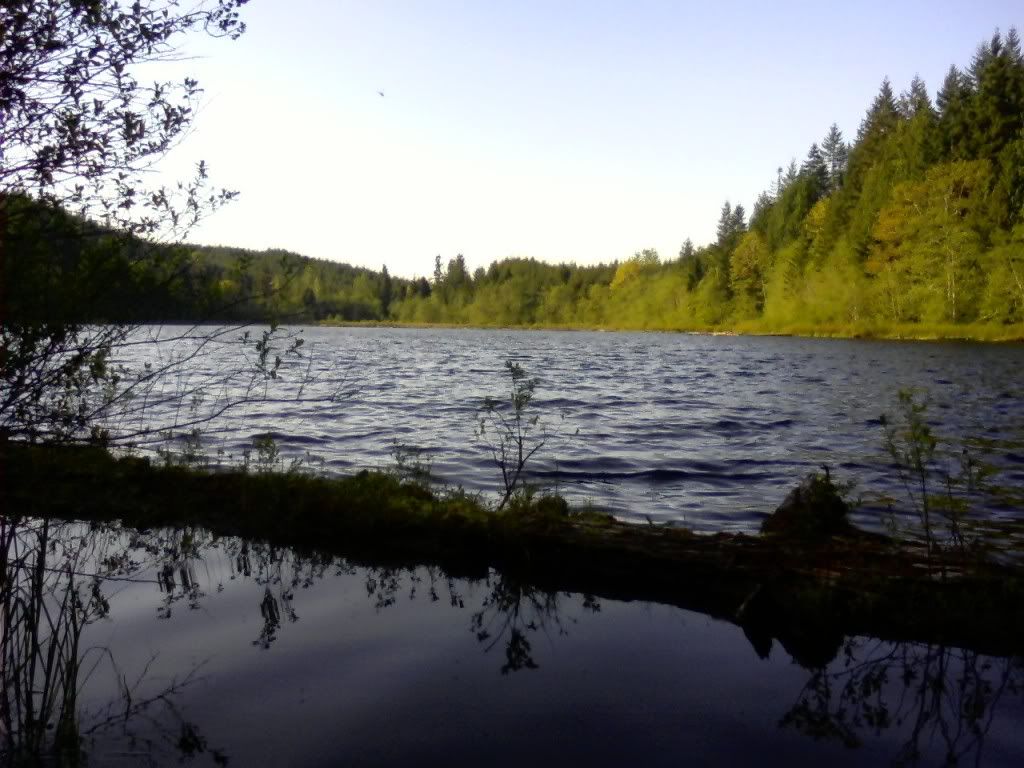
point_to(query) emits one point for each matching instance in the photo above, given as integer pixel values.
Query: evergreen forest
(915, 227)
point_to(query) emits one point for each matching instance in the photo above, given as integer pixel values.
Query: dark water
(192, 650)
(707, 431)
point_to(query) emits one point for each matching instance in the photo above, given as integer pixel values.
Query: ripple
(705, 431)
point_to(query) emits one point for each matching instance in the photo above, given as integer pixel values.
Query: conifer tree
(385, 289)
(1013, 47)
(779, 183)
(836, 154)
(997, 106)
(882, 116)
(952, 101)
(918, 140)
(739, 220)
(815, 170)
(725, 222)
(762, 205)
(687, 250)
(791, 174)
(915, 100)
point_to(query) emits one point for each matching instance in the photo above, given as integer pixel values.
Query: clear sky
(567, 131)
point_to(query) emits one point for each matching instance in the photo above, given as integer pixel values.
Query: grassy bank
(977, 332)
(807, 593)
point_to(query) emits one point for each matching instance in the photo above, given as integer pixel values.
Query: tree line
(918, 222)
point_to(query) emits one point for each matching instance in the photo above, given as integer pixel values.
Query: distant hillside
(914, 228)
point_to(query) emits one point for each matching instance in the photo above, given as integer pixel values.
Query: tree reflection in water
(943, 699)
(58, 579)
(52, 582)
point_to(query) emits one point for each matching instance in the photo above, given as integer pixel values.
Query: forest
(915, 227)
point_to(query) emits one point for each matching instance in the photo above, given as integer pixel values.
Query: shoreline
(805, 593)
(902, 333)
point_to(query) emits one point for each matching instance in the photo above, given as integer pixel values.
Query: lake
(192, 649)
(709, 432)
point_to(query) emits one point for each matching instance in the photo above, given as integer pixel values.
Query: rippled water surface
(710, 431)
(189, 649)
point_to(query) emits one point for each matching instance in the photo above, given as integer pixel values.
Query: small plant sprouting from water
(411, 466)
(937, 494)
(911, 444)
(268, 455)
(510, 432)
(265, 457)
(192, 453)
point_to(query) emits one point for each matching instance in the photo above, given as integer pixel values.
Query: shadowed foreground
(806, 592)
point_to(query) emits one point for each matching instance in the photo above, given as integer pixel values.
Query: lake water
(706, 431)
(194, 650)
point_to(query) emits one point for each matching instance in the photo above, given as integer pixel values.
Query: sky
(563, 131)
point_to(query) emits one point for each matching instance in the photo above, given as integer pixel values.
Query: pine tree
(385, 289)
(687, 250)
(915, 100)
(997, 106)
(815, 170)
(762, 205)
(952, 101)
(791, 174)
(725, 223)
(1013, 47)
(983, 56)
(882, 116)
(836, 154)
(917, 137)
(739, 220)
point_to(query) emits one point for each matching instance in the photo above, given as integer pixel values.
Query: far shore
(906, 332)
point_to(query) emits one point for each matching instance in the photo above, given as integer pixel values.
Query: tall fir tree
(816, 172)
(385, 294)
(1013, 47)
(953, 101)
(882, 116)
(687, 250)
(791, 174)
(836, 154)
(762, 205)
(997, 105)
(724, 224)
(918, 139)
(915, 99)
(739, 220)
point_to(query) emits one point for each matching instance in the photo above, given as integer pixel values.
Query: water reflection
(922, 703)
(56, 581)
(942, 700)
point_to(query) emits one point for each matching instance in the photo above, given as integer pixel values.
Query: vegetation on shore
(811, 589)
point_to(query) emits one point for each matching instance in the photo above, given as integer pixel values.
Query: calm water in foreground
(195, 650)
(705, 431)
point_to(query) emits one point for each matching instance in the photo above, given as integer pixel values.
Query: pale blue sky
(566, 131)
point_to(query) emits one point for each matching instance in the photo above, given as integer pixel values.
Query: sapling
(510, 431)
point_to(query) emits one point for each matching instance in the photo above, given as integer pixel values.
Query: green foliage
(908, 231)
(411, 466)
(940, 478)
(510, 431)
(928, 244)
